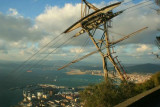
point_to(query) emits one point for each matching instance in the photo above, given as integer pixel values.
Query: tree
(108, 94)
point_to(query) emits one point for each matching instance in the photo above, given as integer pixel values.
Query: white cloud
(136, 53)
(63, 54)
(56, 19)
(13, 12)
(76, 50)
(18, 45)
(143, 48)
(22, 52)
(13, 28)
(135, 19)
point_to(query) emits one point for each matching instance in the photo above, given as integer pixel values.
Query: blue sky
(26, 24)
(32, 8)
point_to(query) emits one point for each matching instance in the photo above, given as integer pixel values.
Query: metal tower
(100, 19)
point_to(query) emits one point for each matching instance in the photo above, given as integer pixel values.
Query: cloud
(22, 52)
(136, 53)
(76, 50)
(14, 28)
(18, 45)
(134, 50)
(143, 48)
(56, 19)
(135, 19)
(3, 47)
(24, 36)
(13, 12)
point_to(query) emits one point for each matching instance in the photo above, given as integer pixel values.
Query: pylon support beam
(108, 48)
(105, 70)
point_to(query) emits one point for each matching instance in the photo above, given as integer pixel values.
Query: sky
(27, 25)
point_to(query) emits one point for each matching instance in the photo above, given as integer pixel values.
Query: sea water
(11, 85)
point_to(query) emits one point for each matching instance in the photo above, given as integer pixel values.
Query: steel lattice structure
(100, 19)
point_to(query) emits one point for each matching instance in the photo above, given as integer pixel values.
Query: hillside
(144, 68)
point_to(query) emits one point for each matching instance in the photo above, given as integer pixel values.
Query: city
(44, 95)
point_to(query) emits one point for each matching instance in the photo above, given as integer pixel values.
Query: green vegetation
(156, 79)
(108, 94)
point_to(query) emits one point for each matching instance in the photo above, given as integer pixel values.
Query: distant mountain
(54, 65)
(143, 68)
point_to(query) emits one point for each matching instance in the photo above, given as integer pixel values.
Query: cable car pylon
(100, 19)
